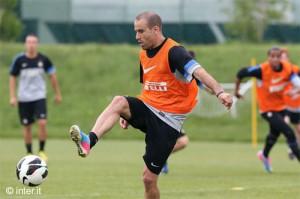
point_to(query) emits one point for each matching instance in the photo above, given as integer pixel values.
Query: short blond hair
(152, 18)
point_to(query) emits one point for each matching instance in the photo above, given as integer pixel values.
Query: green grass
(114, 168)
(91, 74)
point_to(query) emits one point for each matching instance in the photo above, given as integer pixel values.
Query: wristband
(219, 93)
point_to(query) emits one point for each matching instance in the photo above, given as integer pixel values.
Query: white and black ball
(31, 170)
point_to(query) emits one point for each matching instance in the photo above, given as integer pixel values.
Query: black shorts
(160, 137)
(29, 111)
(293, 116)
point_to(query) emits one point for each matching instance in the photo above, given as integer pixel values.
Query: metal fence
(195, 21)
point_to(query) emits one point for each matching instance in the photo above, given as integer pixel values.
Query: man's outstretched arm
(211, 83)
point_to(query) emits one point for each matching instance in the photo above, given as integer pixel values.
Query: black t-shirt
(22, 62)
(178, 57)
(32, 85)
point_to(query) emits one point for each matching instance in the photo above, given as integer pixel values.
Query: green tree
(10, 25)
(249, 19)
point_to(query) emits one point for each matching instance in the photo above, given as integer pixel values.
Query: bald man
(169, 91)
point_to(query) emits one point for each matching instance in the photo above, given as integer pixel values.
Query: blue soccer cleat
(165, 169)
(266, 162)
(81, 140)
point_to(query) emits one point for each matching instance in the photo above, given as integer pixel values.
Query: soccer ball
(31, 170)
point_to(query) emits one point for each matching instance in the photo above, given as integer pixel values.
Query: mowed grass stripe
(114, 168)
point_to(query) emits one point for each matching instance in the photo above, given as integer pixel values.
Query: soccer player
(181, 143)
(31, 67)
(168, 94)
(273, 77)
(292, 102)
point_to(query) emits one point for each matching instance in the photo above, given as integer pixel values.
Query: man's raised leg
(105, 121)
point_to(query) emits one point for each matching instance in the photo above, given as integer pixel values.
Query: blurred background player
(183, 139)
(273, 76)
(31, 67)
(181, 143)
(292, 102)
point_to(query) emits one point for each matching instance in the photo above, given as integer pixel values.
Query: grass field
(113, 171)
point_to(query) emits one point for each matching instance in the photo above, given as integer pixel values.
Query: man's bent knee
(120, 105)
(120, 101)
(183, 141)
